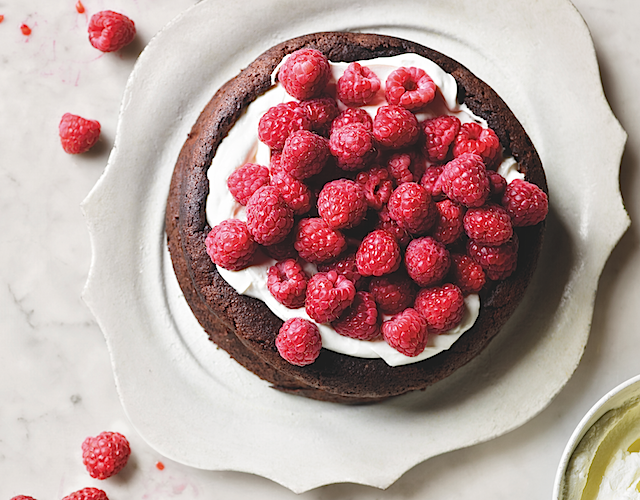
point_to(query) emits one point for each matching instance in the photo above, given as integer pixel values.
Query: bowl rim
(615, 398)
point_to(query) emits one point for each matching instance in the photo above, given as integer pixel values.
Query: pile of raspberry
(401, 218)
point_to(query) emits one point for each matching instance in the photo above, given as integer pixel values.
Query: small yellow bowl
(607, 438)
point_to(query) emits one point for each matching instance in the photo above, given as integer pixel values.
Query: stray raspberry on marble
(299, 342)
(105, 454)
(87, 494)
(20, 497)
(77, 134)
(110, 31)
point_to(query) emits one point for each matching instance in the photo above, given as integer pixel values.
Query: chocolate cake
(244, 326)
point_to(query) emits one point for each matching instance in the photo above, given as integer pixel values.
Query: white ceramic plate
(196, 406)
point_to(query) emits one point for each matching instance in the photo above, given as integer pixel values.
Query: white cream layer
(242, 145)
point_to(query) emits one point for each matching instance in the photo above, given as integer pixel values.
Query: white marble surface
(57, 385)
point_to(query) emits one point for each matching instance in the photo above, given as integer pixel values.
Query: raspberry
(78, 134)
(449, 221)
(386, 223)
(295, 193)
(395, 127)
(269, 218)
(246, 180)
(525, 202)
(279, 121)
(353, 115)
(378, 254)
(328, 295)
(474, 138)
(299, 342)
(406, 167)
(360, 321)
(305, 73)
(22, 497)
(467, 274)
(442, 307)
(321, 112)
(287, 282)
(488, 225)
(393, 292)
(358, 85)
(87, 494)
(412, 208)
(353, 146)
(110, 31)
(344, 265)
(377, 185)
(106, 454)
(498, 184)
(439, 132)
(316, 242)
(342, 204)
(410, 88)
(464, 179)
(427, 261)
(498, 262)
(406, 332)
(230, 245)
(429, 181)
(304, 154)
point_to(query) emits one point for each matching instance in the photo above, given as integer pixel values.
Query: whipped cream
(606, 463)
(242, 145)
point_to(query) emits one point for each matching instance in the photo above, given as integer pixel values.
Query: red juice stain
(26, 31)
(80, 7)
(1, 18)
(160, 466)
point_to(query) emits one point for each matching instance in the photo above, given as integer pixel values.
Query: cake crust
(244, 326)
